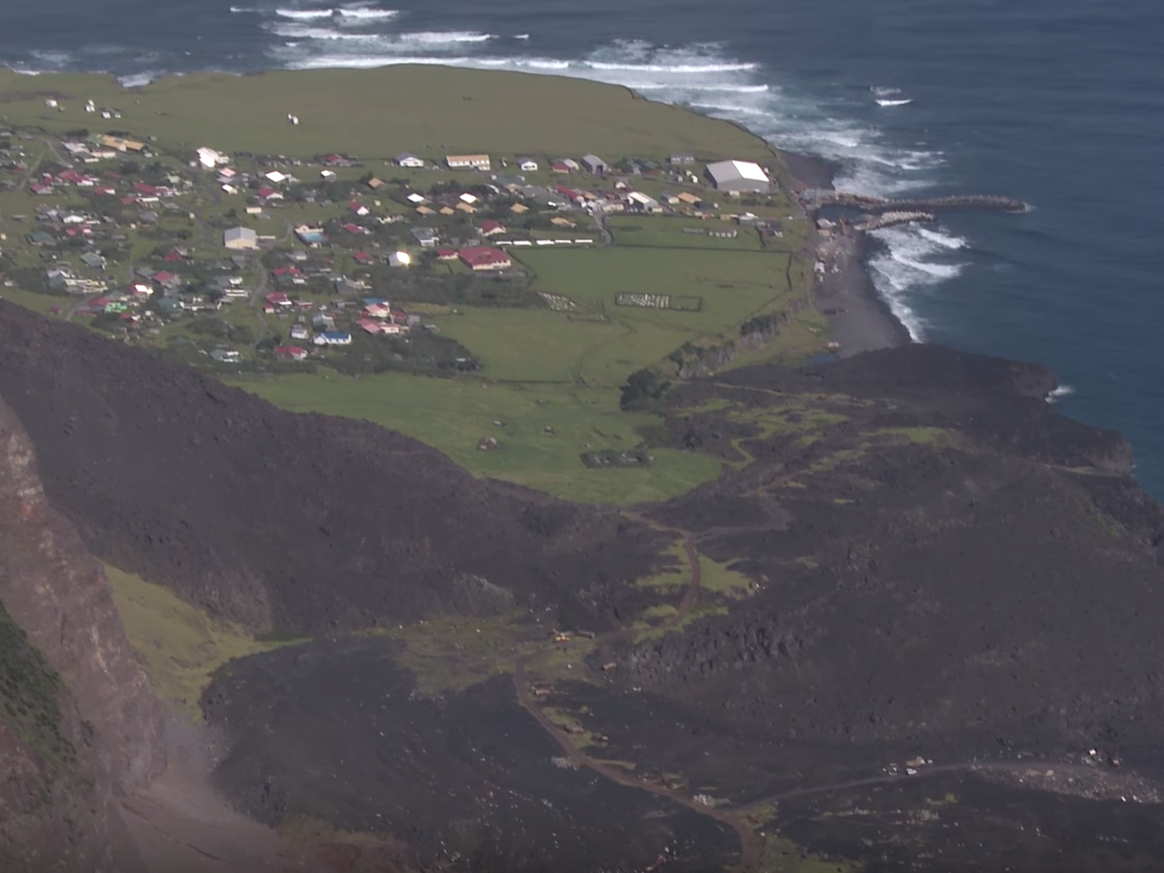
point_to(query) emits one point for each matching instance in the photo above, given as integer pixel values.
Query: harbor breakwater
(815, 200)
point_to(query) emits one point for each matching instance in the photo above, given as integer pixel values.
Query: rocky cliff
(79, 723)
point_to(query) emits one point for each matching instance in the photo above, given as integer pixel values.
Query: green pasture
(453, 415)
(666, 231)
(429, 110)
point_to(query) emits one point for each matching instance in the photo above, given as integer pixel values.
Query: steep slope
(78, 723)
(300, 523)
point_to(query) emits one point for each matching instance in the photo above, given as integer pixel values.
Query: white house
(210, 159)
(527, 165)
(399, 259)
(467, 162)
(275, 176)
(407, 159)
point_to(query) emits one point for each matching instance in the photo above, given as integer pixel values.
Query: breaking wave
(303, 13)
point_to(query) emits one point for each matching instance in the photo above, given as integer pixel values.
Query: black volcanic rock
(300, 523)
(952, 565)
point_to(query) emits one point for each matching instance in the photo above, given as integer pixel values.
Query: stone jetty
(889, 219)
(814, 201)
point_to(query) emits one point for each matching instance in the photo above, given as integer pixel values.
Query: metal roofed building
(739, 176)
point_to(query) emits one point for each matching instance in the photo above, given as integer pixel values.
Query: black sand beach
(861, 320)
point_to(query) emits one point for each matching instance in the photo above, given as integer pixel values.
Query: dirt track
(616, 774)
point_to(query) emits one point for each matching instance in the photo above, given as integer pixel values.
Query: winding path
(616, 774)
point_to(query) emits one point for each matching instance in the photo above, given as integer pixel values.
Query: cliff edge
(79, 724)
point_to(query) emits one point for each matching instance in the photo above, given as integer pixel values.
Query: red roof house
(484, 258)
(293, 353)
(147, 190)
(278, 298)
(174, 257)
(491, 227)
(363, 258)
(446, 254)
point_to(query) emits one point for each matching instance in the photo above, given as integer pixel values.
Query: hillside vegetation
(378, 113)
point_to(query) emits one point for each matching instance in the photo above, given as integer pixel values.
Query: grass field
(454, 414)
(429, 110)
(179, 645)
(668, 232)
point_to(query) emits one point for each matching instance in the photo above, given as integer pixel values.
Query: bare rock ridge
(296, 523)
(82, 724)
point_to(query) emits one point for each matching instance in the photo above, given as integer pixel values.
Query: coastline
(844, 293)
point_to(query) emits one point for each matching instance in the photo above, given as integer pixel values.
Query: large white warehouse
(739, 176)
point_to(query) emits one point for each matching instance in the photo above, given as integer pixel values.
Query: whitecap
(521, 36)
(136, 80)
(946, 241)
(430, 37)
(304, 14)
(366, 13)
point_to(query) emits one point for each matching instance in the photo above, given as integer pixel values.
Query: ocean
(1057, 102)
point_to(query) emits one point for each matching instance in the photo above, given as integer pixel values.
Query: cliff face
(80, 723)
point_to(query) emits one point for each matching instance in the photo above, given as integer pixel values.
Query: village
(253, 261)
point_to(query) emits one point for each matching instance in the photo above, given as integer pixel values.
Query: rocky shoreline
(859, 316)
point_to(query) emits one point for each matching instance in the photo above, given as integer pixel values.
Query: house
(558, 221)
(94, 260)
(424, 210)
(358, 209)
(688, 198)
(468, 198)
(425, 237)
(333, 338)
(290, 353)
(641, 202)
(416, 198)
(208, 158)
(481, 258)
(467, 162)
(518, 208)
(375, 183)
(240, 238)
(278, 298)
(269, 194)
(407, 159)
(446, 254)
(226, 356)
(254, 210)
(489, 227)
(311, 236)
(276, 177)
(363, 258)
(739, 176)
(569, 193)
(299, 332)
(166, 280)
(680, 160)
(446, 211)
(527, 165)
(594, 165)
(399, 259)
(559, 167)
(466, 208)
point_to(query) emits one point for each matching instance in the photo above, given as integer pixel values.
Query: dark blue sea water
(1059, 102)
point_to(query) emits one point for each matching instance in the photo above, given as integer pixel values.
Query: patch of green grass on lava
(180, 645)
